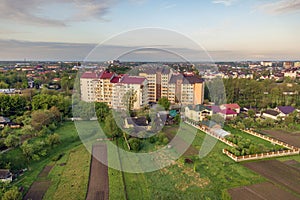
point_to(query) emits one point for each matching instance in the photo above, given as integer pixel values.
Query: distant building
(291, 74)
(288, 65)
(266, 63)
(297, 64)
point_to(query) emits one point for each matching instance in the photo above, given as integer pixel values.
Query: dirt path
(98, 188)
(38, 189)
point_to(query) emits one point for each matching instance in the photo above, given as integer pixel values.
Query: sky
(224, 30)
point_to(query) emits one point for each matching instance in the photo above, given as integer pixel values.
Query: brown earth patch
(261, 191)
(277, 172)
(98, 187)
(287, 137)
(37, 190)
(45, 171)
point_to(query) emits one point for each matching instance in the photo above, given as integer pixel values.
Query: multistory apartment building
(130, 87)
(88, 82)
(149, 86)
(186, 90)
(111, 89)
(103, 87)
(158, 80)
(150, 75)
(177, 88)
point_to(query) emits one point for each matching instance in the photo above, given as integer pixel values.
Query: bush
(135, 144)
(152, 139)
(165, 140)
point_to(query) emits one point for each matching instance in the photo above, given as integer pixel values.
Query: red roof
(232, 106)
(228, 112)
(106, 75)
(115, 80)
(89, 75)
(132, 80)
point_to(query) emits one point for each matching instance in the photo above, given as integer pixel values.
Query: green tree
(6, 131)
(251, 113)
(129, 99)
(3, 85)
(12, 140)
(102, 111)
(28, 150)
(27, 130)
(12, 194)
(40, 118)
(164, 102)
(111, 127)
(53, 139)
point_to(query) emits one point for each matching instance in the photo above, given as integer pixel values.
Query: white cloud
(224, 2)
(30, 12)
(280, 7)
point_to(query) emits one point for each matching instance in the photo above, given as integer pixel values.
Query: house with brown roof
(272, 114)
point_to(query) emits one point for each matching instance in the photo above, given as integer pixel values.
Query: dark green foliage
(135, 144)
(102, 110)
(164, 102)
(12, 105)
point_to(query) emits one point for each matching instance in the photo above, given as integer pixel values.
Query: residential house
(285, 110)
(228, 113)
(198, 112)
(273, 114)
(4, 121)
(138, 123)
(5, 175)
(233, 106)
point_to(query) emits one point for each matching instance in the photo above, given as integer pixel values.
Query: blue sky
(227, 29)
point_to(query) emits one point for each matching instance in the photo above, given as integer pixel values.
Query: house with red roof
(233, 106)
(228, 113)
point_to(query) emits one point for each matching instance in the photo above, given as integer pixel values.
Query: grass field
(215, 173)
(69, 176)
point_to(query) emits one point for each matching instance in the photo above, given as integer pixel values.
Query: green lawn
(69, 176)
